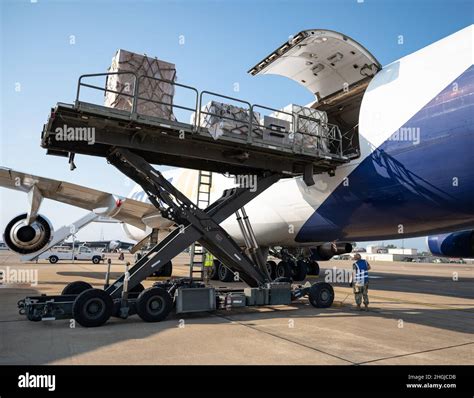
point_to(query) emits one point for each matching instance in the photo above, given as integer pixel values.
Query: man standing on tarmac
(360, 281)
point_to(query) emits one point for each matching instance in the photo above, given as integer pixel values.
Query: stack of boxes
(220, 119)
(311, 126)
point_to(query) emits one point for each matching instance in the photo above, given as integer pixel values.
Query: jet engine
(327, 250)
(114, 244)
(25, 239)
(456, 244)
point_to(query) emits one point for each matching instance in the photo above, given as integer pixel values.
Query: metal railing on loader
(308, 143)
(334, 135)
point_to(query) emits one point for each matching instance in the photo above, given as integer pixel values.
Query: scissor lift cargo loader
(131, 142)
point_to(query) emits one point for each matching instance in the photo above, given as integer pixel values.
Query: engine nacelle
(456, 244)
(327, 250)
(25, 239)
(114, 244)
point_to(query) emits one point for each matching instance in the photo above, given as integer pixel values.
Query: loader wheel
(53, 259)
(154, 304)
(321, 295)
(93, 307)
(300, 271)
(96, 260)
(283, 270)
(76, 287)
(225, 274)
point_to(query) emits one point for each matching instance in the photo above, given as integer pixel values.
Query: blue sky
(46, 45)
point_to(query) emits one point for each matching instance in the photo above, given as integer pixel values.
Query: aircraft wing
(123, 209)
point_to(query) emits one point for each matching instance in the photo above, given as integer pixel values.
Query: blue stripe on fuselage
(403, 189)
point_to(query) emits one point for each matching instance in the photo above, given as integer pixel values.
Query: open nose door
(323, 61)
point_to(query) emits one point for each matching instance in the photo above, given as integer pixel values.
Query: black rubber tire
(321, 295)
(214, 271)
(92, 308)
(283, 270)
(154, 304)
(300, 271)
(166, 270)
(272, 267)
(225, 274)
(137, 289)
(313, 268)
(53, 259)
(76, 287)
(96, 260)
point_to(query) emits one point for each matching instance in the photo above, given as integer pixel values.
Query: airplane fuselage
(414, 177)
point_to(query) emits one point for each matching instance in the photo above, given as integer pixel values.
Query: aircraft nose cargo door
(334, 67)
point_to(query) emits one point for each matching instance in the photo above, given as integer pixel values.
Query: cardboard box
(148, 89)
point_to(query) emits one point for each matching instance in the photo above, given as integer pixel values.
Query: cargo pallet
(130, 142)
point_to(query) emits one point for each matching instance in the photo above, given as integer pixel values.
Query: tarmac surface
(419, 314)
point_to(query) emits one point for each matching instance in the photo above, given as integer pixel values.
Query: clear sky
(46, 45)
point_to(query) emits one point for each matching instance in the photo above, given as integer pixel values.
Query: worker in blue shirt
(360, 281)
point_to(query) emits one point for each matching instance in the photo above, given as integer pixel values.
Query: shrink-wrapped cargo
(222, 119)
(148, 88)
(310, 126)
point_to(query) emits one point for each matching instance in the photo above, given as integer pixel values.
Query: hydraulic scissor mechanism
(193, 224)
(124, 297)
(251, 242)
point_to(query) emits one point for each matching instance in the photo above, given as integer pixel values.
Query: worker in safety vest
(208, 260)
(360, 281)
(208, 263)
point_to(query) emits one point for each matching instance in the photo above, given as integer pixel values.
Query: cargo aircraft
(414, 176)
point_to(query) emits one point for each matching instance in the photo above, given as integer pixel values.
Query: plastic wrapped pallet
(148, 89)
(227, 119)
(311, 130)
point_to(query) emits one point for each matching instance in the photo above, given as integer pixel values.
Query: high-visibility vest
(208, 260)
(362, 272)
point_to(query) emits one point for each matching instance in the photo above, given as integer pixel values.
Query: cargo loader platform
(131, 142)
(255, 146)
